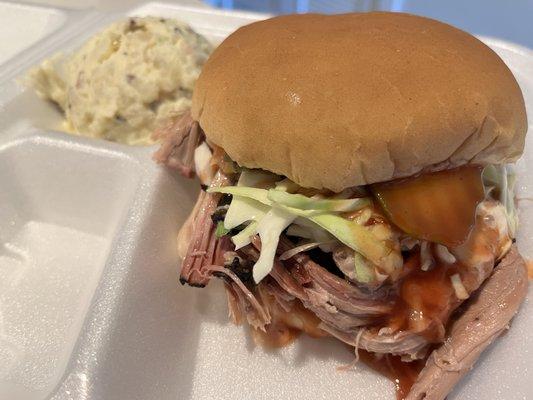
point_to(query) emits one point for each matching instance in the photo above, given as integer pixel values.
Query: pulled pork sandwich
(356, 184)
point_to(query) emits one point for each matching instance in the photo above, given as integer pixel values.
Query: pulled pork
(301, 294)
(179, 138)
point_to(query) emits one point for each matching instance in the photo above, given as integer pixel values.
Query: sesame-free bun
(344, 100)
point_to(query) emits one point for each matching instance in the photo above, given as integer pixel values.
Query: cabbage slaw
(269, 210)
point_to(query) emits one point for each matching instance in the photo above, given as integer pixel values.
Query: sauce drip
(425, 299)
(402, 374)
(280, 333)
(277, 335)
(287, 326)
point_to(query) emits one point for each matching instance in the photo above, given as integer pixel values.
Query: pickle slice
(439, 207)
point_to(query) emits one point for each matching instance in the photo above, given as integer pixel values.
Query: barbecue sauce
(425, 299)
(287, 326)
(276, 335)
(402, 374)
(280, 334)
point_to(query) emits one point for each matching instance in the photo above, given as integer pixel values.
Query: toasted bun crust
(338, 101)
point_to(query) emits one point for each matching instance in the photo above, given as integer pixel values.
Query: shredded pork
(304, 295)
(179, 138)
(200, 252)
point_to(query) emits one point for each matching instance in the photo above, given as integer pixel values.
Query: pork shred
(204, 249)
(178, 139)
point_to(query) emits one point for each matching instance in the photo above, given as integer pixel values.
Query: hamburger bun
(344, 100)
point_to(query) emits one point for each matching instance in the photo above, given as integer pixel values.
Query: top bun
(345, 100)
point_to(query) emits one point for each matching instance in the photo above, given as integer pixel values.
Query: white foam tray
(90, 306)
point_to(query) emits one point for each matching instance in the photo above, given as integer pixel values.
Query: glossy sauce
(425, 299)
(280, 333)
(402, 374)
(277, 335)
(287, 326)
(440, 207)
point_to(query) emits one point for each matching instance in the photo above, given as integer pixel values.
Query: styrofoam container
(90, 305)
